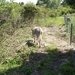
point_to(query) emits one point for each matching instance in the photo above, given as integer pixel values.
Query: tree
(21, 3)
(48, 3)
(69, 2)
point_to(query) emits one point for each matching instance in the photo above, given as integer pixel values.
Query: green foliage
(15, 15)
(49, 21)
(68, 68)
(10, 12)
(50, 73)
(47, 13)
(51, 48)
(5, 27)
(10, 18)
(32, 48)
(11, 62)
(48, 3)
(64, 10)
(29, 12)
(43, 64)
(70, 2)
(5, 10)
(26, 70)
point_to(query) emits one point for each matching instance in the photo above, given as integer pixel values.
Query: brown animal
(37, 35)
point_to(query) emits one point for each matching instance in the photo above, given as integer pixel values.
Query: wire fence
(70, 26)
(73, 22)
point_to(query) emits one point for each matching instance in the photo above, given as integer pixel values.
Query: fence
(70, 26)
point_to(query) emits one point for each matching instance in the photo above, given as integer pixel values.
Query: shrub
(29, 12)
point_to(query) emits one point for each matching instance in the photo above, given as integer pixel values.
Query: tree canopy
(69, 2)
(48, 3)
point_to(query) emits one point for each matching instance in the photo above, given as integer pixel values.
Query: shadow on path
(41, 64)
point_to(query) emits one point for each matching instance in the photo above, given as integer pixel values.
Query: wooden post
(66, 22)
(71, 34)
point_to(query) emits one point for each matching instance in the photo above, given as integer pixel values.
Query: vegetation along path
(51, 59)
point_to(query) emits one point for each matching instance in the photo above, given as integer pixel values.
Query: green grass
(59, 21)
(52, 51)
(68, 68)
(50, 73)
(43, 64)
(33, 49)
(26, 70)
(51, 48)
(9, 64)
(50, 21)
(9, 56)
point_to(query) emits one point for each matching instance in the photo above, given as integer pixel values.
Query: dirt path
(57, 36)
(53, 35)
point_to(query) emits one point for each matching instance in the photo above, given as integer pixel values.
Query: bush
(29, 12)
(64, 10)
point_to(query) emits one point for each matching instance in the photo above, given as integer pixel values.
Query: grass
(43, 64)
(68, 68)
(50, 21)
(26, 70)
(51, 48)
(50, 73)
(52, 51)
(9, 57)
(33, 49)
(9, 64)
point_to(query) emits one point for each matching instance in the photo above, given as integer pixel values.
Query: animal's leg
(39, 42)
(34, 39)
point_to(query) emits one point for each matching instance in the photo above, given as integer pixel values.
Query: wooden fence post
(66, 22)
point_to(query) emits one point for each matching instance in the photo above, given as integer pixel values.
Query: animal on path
(37, 35)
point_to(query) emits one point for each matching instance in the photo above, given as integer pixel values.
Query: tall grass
(49, 21)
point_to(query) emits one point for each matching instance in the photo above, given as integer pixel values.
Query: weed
(32, 49)
(26, 70)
